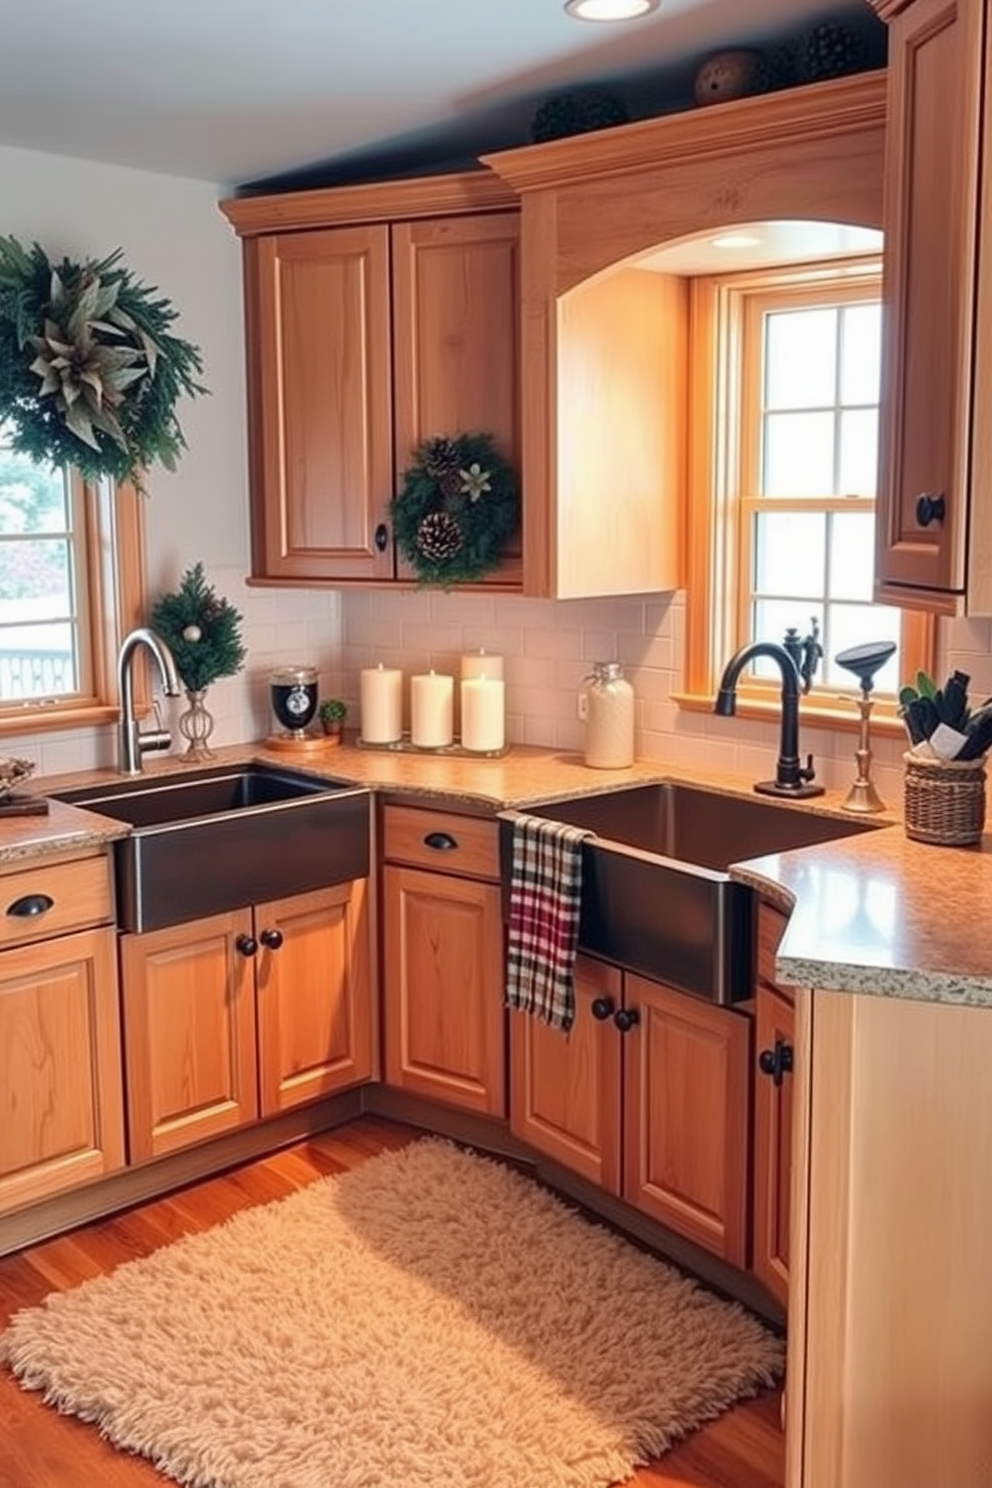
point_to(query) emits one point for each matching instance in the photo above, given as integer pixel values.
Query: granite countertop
(869, 913)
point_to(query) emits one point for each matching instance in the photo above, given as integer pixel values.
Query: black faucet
(791, 778)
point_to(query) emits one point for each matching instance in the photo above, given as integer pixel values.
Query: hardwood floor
(41, 1449)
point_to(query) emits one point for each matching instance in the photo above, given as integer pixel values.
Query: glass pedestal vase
(196, 725)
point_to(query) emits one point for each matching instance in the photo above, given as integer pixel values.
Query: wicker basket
(945, 801)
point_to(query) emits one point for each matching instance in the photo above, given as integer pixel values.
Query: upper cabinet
(935, 537)
(605, 339)
(376, 317)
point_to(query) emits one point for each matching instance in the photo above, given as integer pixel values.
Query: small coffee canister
(609, 736)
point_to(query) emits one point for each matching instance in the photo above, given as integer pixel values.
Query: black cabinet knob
(30, 906)
(626, 1018)
(776, 1062)
(440, 841)
(247, 945)
(272, 939)
(602, 1008)
(929, 508)
(381, 538)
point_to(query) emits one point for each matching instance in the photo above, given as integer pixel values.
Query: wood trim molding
(424, 196)
(887, 10)
(818, 110)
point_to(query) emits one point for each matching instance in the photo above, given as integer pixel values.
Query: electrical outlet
(582, 707)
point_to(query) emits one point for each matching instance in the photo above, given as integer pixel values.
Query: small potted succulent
(332, 714)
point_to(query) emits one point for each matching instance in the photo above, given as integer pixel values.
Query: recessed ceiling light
(610, 10)
(735, 240)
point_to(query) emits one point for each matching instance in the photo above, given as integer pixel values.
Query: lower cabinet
(244, 1015)
(647, 1096)
(775, 1027)
(61, 1105)
(442, 962)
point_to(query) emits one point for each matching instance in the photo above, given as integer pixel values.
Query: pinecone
(439, 536)
(451, 484)
(440, 457)
(577, 113)
(829, 50)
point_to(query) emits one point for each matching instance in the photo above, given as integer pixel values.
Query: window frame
(112, 591)
(721, 388)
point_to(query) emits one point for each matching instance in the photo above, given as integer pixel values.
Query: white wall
(549, 647)
(173, 236)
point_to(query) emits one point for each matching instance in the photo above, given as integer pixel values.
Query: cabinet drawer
(80, 895)
(771, 928)
(441, 840)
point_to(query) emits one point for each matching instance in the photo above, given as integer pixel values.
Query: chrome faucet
(791, 778)
(132, 742)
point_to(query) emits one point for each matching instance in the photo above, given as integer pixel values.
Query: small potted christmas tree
(202, 632)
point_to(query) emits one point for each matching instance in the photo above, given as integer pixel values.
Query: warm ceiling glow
(735, 240)
(610, 10)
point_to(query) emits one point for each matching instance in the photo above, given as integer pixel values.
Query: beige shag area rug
(432, 1319)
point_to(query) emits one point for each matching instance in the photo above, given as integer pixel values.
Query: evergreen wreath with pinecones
(457, 510)
(90, 370)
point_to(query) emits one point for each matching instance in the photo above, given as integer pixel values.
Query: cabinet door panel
(189, 1034)
(456, 351)
(320, 390)
(61, 1103)
(443, 989)
(935, 64)
(314, 1012)
(686, 1109)
(773, 1149)
(565, 1088)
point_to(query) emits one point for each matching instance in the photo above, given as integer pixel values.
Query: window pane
(790, 554)
(37, 661)
(860, 358)
(857, 625)
(771, 618)
(858, 473)
(33, 498)
(800, 358)
(799, 454)
(852, 555)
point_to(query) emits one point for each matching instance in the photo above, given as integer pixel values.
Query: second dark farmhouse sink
(214, 840)
(656, 894)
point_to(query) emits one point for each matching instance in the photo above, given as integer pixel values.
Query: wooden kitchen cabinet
(365, 337)
(647, 1096)
(934, 548)
(565, 1090)
(773, 1112)
(243, 1015)
(61, 1100)
(442, 959)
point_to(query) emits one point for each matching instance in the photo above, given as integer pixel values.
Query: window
(785, 392)
(71, 580)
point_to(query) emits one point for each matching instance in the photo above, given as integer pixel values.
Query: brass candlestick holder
(864, 662)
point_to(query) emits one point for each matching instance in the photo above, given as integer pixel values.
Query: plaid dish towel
(545, 898)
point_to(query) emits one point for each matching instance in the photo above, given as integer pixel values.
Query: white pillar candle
(431, 710)
(382, 704)
(481, 664)
(482, 713)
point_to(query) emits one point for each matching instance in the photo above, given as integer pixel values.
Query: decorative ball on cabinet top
(577, 113)
(732, 74)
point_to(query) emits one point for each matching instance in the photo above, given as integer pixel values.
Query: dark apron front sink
(656, 895)
(223, 839)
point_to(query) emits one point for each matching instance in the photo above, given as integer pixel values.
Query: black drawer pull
(381, 538)
(776, 1062)
(602, 1008)
(626, 1019)
(271, 939)
(440, 841)
(31, 906)
(247, 945)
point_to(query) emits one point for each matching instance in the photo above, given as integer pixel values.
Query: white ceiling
(233, 91)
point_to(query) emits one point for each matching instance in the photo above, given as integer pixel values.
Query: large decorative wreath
(90, 371)
(458, 509)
